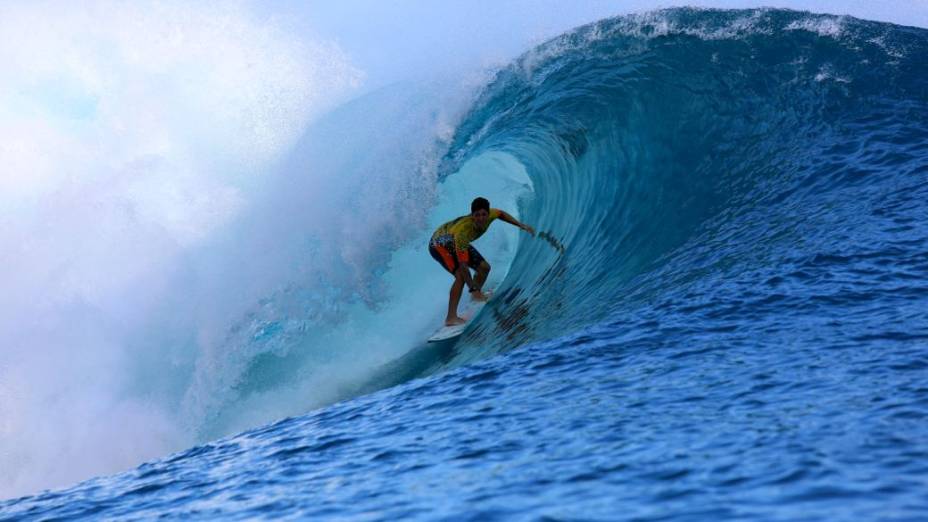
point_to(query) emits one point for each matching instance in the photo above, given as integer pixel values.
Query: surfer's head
(480, 210)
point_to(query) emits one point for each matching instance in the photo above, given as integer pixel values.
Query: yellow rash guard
(456, 235)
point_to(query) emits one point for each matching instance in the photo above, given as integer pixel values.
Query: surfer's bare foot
(454, 321)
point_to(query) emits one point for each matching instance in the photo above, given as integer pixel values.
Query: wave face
(686, 148)
(723, 315)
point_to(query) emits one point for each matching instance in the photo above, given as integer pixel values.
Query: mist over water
(133, 138)
(212, 218)
(185, 255)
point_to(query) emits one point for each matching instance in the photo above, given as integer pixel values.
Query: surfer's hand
(529, 229)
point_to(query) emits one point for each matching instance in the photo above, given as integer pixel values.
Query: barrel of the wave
(645, 136)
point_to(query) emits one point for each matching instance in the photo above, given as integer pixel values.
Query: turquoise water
(725, 317)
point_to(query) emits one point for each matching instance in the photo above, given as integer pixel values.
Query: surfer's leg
(456, 289)
(483, 270)
(480, 265)
(447, 258)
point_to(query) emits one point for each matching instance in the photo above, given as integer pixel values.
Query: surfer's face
(480, 217)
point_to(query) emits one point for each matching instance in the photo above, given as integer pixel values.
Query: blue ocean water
(723, 318)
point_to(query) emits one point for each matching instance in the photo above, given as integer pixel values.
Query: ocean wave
(677, 141)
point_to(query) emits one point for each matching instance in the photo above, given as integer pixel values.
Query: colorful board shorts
(442, 249)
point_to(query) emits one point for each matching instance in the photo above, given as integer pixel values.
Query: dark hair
(479, 203)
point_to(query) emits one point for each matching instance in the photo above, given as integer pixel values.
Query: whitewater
(223, 314)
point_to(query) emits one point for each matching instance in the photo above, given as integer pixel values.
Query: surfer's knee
(484, 267)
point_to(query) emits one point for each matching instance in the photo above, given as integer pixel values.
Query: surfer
(451, 247)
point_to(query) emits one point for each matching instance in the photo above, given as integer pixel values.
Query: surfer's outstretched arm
(513, 221)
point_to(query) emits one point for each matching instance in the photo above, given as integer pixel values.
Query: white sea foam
(129, 134)
(828, 26)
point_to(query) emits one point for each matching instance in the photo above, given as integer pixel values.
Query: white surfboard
(450, 332)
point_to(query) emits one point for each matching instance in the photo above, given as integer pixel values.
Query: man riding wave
(451, 247)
